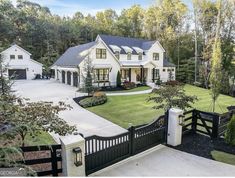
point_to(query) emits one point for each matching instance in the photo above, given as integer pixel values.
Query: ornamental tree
(169, 96)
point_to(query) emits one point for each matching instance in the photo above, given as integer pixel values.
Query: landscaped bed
(204, 146)
(135, 109)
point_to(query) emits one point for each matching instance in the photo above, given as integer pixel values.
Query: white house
(18, 63)
(138, 60)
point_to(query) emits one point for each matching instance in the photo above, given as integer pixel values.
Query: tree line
(171, 22)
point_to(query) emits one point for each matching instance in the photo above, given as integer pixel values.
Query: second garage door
(17, 74)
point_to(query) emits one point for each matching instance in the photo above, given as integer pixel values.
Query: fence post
(215, 126)
(166, 124)
(54, 162)
(194, 121)
(68, 144)
(132, 135)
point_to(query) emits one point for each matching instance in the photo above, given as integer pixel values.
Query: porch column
(71, 78)
(129, 74)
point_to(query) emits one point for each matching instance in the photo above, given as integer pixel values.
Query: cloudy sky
(69, 7)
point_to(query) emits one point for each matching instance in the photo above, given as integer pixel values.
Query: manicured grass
(42, 139)
(141, 88)
(223, 157)
(135, 109)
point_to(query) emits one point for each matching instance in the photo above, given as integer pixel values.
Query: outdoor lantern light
(181, 120)
(78, 156)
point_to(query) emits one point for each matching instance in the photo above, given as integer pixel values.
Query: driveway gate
(101, 152)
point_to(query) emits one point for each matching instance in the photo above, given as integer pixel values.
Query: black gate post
(132, 137)
(215, 126)
(194, 121)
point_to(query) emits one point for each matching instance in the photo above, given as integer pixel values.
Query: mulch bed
(78, 99)
(201, 145)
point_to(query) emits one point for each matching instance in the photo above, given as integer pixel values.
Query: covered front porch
(139, 72)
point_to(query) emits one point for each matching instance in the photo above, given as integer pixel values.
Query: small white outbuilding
(18, 63)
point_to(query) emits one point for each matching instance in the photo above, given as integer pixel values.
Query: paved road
(165, 161)
(50, 90)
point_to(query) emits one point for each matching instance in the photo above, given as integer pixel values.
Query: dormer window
(117, 54)
(12, 56)
(129, 56)
(140, 56)
(156, 56)
(20, 56)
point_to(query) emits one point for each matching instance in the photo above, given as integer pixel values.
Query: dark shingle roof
(126, 41)
(166, 63)
(72, 56)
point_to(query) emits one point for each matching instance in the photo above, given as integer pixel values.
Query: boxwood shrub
(97, 99)
(230, 132)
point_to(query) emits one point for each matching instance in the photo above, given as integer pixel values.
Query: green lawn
(42, 139)
(141, 88)
(223, 157)
(135, 109)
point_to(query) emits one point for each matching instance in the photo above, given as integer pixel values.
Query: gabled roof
(72, 56)
(166, 63)
(126, 41)
(17, 46)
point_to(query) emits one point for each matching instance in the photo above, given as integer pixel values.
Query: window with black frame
(101, 53)
(155, 56)
(101, 75)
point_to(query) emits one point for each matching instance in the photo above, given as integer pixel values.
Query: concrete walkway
(165, 161)
(129, 93)
(49, 90)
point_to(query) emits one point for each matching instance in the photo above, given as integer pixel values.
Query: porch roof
(130, 63)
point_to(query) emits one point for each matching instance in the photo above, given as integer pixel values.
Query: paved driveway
(165, 161)
(50, 90)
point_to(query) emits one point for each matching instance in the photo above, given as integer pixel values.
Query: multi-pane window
(155, 56)
(129, 56)
(140, 56)
(100, 53)
(125, 74)
(12, 56)
(101, 74)
(157, 73)
(117, 54)
(20, 56)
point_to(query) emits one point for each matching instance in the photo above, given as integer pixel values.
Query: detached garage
(17, 74)
(19, 64)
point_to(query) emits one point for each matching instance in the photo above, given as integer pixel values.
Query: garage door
(17, 74)
(69, 78)
(63, 76)
(75, 79)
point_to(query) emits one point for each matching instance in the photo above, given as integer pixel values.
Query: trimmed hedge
(128, 85)
(97, 99)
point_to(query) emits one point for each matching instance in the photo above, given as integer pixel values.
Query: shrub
(128, 85)
(119, 82)
(173, 83)
(230, 132)
(97, 99)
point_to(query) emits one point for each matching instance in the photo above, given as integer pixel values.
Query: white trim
(15, 45)
(115, 48)
(137, 49)
(157, 42)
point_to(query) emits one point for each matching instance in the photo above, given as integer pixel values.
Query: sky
(70, 7)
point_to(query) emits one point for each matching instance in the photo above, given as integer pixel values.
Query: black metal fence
(210, 124)
(45, 159)
(101, 152)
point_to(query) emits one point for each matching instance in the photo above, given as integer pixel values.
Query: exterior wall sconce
(77, 156)
(181, 120)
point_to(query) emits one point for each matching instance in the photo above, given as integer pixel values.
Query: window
(155, 56)
(12, 56)
(117, 54)
(129, 56)
(101, 75)
(172, 70)
(100, 53)
(157, 73)
(140, 56)
(164, 70)
(125, 74)
(20, 56)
